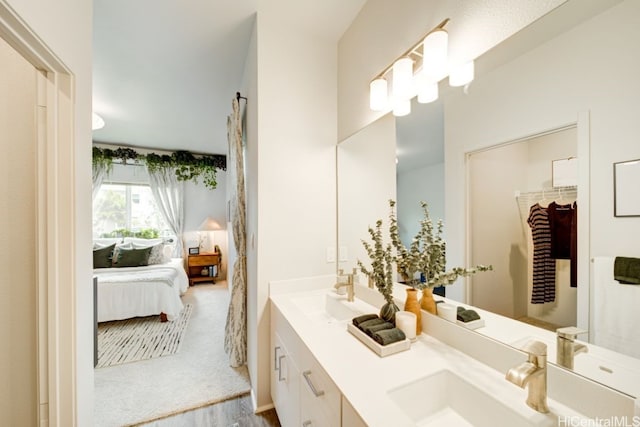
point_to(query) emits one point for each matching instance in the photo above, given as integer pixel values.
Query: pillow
(157, 252)
(131, 257)
(116, 250)
(102, 256)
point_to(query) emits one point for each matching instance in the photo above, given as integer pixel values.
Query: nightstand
(196, 263)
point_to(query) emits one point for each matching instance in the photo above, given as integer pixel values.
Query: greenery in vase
(426, 254)
(381, 272)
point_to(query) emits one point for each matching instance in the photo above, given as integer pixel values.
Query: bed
(156, 289)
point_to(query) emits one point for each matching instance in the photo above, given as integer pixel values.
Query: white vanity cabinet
(302, 392)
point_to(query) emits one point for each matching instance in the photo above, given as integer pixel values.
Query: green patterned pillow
(102, 256)
(132, 257)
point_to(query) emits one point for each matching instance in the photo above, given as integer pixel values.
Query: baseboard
(254, 403)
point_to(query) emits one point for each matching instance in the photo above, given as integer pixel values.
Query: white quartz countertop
(365, 379)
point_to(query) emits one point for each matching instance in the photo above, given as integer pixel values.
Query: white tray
(380, 350)
(474, 324)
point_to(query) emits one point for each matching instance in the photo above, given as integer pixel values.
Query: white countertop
(365, 378)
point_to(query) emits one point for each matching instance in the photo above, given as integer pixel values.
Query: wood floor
(230, 413)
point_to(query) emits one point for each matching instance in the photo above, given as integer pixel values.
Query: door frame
(55, 223)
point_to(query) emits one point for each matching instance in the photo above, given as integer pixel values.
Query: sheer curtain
(99, 173)
(235, 340)
(169, 195)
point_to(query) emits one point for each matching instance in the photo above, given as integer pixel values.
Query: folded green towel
(467, 316)
(627, 270)
(371, 329)
(460, 309)
(389, 336)
(360, 319)
(372, 322)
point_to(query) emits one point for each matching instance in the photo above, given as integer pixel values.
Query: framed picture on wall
(626, 197)
(194, 251)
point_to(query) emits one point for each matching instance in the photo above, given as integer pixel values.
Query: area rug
(140, 338)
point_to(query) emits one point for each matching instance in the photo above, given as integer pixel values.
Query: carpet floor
(198, 375)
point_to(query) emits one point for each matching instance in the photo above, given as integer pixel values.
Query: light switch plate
(343, 252)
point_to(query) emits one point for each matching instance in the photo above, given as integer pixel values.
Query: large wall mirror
(483, 175)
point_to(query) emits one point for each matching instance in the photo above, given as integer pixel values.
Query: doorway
(505, 183)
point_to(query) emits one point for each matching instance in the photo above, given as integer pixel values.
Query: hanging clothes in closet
(563, 224)
(554, 233)
(544, 267)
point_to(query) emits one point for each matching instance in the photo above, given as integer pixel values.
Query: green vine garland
(187, 166)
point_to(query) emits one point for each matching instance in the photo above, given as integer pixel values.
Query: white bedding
(141, 291)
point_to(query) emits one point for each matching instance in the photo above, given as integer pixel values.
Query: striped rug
(140, 338)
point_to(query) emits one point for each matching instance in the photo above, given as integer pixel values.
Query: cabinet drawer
(203, 260)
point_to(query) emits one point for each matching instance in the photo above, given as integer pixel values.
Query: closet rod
(551, 191)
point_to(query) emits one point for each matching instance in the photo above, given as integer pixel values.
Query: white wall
(528, 95)
(294, 189)
(66, 28)
(425, 184)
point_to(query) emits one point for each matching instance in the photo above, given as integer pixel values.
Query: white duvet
(141, 291)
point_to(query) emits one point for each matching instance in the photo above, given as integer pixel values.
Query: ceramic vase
(411, 304)
(388, 312)
(427, 302)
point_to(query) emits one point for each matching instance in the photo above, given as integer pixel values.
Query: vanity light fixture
(97, 122)
(429, 57)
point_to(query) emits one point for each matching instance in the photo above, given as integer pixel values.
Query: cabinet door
(320, 399)
(285, 385)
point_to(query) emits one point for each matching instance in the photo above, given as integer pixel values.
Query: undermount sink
(330, 307)
(446, 399)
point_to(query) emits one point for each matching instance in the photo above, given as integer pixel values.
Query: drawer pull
(307, 376)
(280, 377)
(306, 423)
(276, 361)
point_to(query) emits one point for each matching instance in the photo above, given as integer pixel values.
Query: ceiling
(164, 72)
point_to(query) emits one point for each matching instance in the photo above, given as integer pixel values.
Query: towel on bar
(361, 319)
(627, 270)
(389, 336)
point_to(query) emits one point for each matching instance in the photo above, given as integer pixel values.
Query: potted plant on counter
(381, 271)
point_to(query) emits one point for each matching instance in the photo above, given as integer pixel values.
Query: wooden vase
(427, 302)
(411, 304)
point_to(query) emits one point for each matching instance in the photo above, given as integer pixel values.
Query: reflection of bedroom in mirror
(524, 226)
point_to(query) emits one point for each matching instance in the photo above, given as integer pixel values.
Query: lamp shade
(209, 224)
(403, 78)
(96, 122)
(434, 54)
(401, 107)
(427, 92)
(462, 74)
(378, 94)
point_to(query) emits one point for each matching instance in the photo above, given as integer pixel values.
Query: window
(128, 207)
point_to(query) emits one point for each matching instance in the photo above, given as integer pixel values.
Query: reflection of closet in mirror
(505, 182)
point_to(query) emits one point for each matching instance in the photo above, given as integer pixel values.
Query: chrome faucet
(533, 375)
(567, 348)
(347, 281)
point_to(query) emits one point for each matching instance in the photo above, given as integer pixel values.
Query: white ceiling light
(427, 92)
(96, 122)
(462, 75)
(430, 55)
(401, 107)
(403, 78)
(378, 100)
(434, 54)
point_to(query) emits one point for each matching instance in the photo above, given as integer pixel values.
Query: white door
(18, 297)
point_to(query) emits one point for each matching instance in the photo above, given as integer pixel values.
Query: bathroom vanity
(321, 375)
